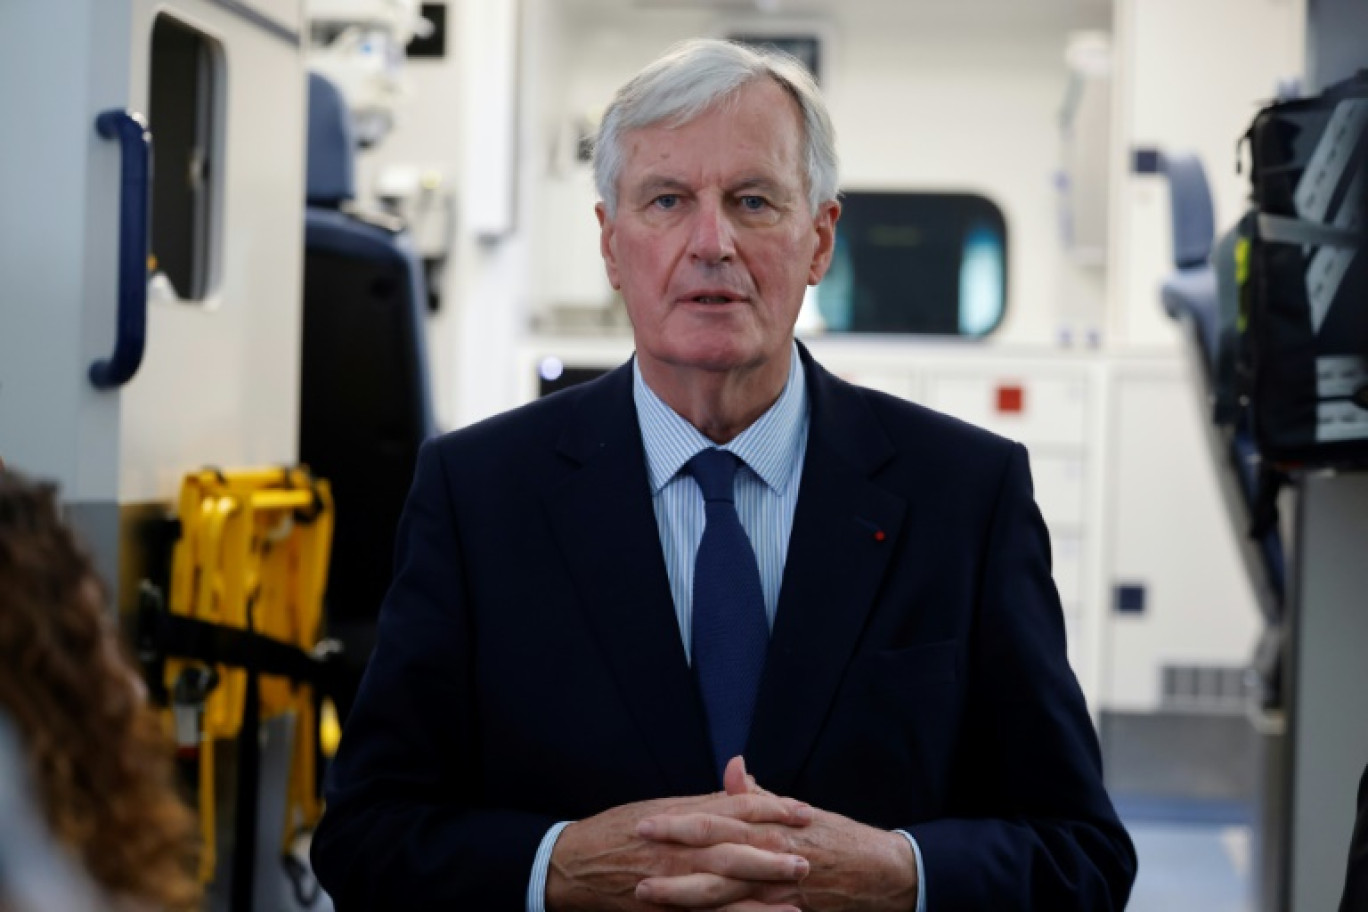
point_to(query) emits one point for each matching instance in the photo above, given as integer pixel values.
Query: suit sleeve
(403, 828)
(1033, 826)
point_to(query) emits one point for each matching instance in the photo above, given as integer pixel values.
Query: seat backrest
(1202, 291)
(365, 399)
(332, 146)
(1191, 206)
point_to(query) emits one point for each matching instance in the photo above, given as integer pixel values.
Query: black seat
(365, 403)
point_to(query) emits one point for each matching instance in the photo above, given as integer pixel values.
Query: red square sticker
(1011, 399)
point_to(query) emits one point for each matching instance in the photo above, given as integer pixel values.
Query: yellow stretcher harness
(253, 557)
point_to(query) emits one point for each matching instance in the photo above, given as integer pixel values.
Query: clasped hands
(741, 850)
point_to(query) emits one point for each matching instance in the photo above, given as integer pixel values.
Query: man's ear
(825, 226)
(606, 235)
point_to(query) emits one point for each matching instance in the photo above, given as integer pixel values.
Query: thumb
(734, 778)
(736, 781)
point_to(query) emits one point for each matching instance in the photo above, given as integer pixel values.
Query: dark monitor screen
(932, 263)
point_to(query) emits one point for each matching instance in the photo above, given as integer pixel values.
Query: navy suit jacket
(529, 667)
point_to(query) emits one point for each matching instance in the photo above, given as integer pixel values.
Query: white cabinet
(1069, 573)
(1045, 406)
(1170, 539)
(1059, 487)
(1036, 410)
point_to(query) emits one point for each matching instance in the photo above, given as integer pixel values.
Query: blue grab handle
(135, 143)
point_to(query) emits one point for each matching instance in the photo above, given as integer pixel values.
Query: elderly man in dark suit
(719, 630)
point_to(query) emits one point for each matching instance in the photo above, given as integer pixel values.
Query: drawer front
(1068, 568)
(1037, 411)
(1059, 486)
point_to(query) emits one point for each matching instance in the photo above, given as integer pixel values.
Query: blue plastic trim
(135, 195)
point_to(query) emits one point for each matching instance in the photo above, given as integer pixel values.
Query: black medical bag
(1303, 278)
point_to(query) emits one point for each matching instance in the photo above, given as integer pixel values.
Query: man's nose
(713, 239)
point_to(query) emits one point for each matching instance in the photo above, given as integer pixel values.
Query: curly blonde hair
(103, 767)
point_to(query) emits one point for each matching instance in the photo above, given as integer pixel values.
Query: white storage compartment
(1059, 480)
(1068, 568)
(1037, 411)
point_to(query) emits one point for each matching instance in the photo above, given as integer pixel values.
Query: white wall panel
(288, 13)
(59, 240)
(428, 135)
(220, 381)
(1191, 75)
(1169, 534)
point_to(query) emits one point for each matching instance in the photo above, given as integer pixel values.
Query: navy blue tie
(730, 632)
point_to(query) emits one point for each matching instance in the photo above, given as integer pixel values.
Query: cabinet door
(1173, 540)
(1060, 480)
(217, 379)
(59, 243)
(1038, 410)
(1047, 410)
(219, 383)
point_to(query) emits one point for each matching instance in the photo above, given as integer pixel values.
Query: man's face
(713, 241)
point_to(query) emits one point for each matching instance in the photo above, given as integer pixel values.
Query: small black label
(1146, 160)
(434, 45)
(1130, 598)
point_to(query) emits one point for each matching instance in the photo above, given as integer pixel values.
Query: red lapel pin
(879, 534)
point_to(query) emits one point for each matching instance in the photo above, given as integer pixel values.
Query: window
(931, 263)
(184, 123)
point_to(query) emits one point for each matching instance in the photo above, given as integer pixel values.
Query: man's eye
(666, 201)
(754, 203)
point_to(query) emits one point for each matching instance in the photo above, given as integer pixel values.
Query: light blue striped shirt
(771, 452)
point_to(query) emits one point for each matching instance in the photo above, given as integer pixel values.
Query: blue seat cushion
(331, 174)
(1192, 293)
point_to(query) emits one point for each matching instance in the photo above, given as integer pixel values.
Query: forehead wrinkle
(662, 181)
(759, 182)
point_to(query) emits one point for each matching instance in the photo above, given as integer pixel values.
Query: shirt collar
(769, 447)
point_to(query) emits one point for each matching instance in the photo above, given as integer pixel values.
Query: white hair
(696, 75)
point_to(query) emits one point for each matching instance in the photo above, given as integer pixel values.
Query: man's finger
(755, 905)
(698, 891)
(758, 809)
(691, 891)
(735, 781)
(751, 808)
(702, 830)
(743, 862)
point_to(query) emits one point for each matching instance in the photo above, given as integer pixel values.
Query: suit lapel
(602, 518)
(836, 560)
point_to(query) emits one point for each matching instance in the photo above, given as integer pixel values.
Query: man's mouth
(713, 298)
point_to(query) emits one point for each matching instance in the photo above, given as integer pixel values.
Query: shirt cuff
(921, 876)
(541, 866)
